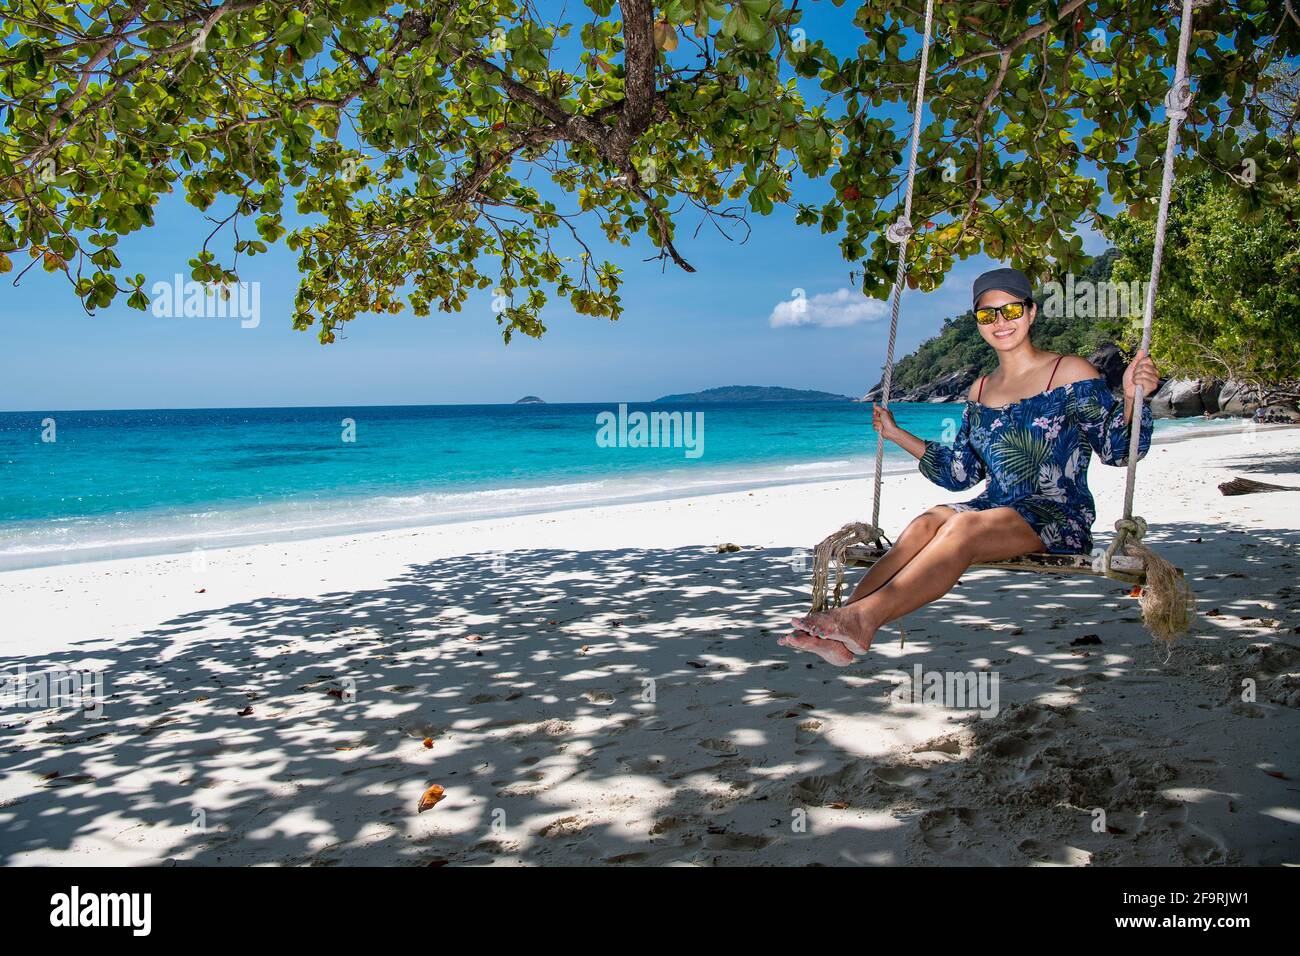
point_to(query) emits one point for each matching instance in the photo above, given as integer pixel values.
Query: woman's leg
(964, 539)
(919, 533)
(909, 544)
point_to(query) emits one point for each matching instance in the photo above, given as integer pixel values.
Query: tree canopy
(1229, 300)
(437, 148)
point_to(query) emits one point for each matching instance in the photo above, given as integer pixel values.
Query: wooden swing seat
(1132, 569)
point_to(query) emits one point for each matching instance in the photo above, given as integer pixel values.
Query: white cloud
(828, 309)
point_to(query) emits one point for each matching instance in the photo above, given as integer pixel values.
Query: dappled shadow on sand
(631, 706)
(1261, 465)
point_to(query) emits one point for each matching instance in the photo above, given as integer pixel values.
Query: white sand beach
(524, 650)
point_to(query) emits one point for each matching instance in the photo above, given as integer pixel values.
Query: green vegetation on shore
(1228, 306)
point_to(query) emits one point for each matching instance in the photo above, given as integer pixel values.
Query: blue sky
(679, 332)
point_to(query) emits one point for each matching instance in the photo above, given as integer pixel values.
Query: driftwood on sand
(1248, 486)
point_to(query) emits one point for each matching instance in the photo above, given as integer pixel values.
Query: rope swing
(1168, 605)
(832, 549)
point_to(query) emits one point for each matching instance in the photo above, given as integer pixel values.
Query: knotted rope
(1168, 605)
(831, 550)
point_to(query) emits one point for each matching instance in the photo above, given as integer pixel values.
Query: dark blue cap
(1012, 281)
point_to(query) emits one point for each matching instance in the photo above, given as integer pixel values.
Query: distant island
(530, 400)
(752, 393)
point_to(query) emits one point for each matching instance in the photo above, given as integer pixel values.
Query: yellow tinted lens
(985, 316)
(1013, 310)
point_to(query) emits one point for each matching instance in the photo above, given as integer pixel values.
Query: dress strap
(1054, 368)
(980, 393)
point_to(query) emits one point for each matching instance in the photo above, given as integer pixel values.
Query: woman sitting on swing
(1032, 441)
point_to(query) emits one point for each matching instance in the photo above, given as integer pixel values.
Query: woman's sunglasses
(1009, 311)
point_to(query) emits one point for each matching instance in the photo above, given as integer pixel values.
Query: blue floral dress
(1035, 453)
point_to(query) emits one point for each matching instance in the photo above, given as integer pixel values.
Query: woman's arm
(1107, 422)
(883, 420)
(954, 466)
(1141, 371)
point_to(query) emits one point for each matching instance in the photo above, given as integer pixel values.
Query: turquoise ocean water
(118, 483)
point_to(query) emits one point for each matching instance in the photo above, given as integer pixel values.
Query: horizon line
(243, 408)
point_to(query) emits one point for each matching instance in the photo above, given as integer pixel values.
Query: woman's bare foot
(833, 652)
(848, 625)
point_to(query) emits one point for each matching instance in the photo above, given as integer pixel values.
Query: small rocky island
(530, 400)
(751, 393)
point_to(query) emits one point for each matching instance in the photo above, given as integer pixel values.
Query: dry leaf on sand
(431, 798)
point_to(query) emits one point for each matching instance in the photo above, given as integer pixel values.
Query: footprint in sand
(621, 858)
(821, 789)
(1028, 759)
(1060, 855)
(785, 713)
(741, 842)
(529, 787)
(665, 825)
(369, 768)
(1034, 716)
(808, 731)
(950, 745)
(1006, 746)
(492, 847)
(533, 775)
(1243, 709)
(720, 746)
(1201, 848)
(899, 776)
(939, 828)
(856, 786)
(422, 731)
(1164, 815)
(641, 764)
(556, 727)
(1082, 680)
(563, 827)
